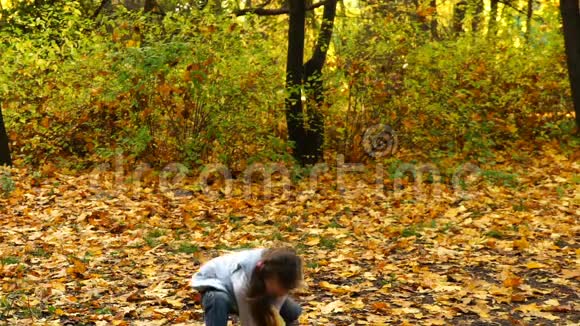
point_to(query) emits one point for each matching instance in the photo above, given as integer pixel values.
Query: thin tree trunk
(492, 18)
(529, 18)
(570, 10)
(420, 19)
(459, 12)
(102, 6)
(5, 158)
(434, 23)
(217, 7)
(294, 73)
(314, 85)
(477, 7)
(149, 5)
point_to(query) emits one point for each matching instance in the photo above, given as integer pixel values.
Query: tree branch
(508, 4)
(101, 6)
(315, 64)
(267, 2)
(260, 11)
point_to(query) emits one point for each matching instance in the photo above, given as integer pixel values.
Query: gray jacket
(231, 273)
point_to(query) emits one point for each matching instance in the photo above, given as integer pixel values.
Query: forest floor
(94, 250)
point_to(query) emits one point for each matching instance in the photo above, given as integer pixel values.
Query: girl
(252, 283)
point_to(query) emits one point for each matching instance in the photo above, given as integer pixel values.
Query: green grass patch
(187, 248)
(501, 178)
(519, 207)
(40, 252)
(151, 237)
(156, 233)
(391, 279)
(290, 228)
(7, 185)
(415, 230)
(277, 236)
(10, 260)
(152, 242)
(334, 224)
(104, 311)
(445, 228)
(410, 232)
(235, 218)
(328, 243)
(495, 234)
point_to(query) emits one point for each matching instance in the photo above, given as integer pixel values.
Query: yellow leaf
(511, 128)
(535, 265)
(454, 211)
(312, 242)
(334, 288)
(359, 304)
(334, 306)
(571, 273)
(326, 285)
(552, 302)
(131, 44)
(175, 303)
(527, 308)
(481, 309)
(521, 244)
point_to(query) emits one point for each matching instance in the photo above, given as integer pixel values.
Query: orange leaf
(521, 244)
(512, 282)
(381, 306)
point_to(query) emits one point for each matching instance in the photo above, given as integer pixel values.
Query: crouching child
(254, 284)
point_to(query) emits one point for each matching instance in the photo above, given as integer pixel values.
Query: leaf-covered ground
(79, 249)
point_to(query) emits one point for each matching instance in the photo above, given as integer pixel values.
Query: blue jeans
(217, 305)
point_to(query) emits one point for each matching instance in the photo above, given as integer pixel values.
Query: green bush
(469, 95)
(196, 87)
(154, 91)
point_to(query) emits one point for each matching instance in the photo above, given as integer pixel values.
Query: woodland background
(82, 81)
(113, 109)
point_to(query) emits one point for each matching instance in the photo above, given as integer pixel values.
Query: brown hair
(281, 263)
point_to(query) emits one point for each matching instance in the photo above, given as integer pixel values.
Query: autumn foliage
(145, 144)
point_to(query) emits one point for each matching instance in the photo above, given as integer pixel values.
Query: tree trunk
(529, 18)
(570, 10)
(477, 7)
(149, 5)
(217, 7)
(5, 158)
(459, 12)
(434, 24)
(104, 5)
(492, 17)
(421, 19)
(294, 73)
(314, 86)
